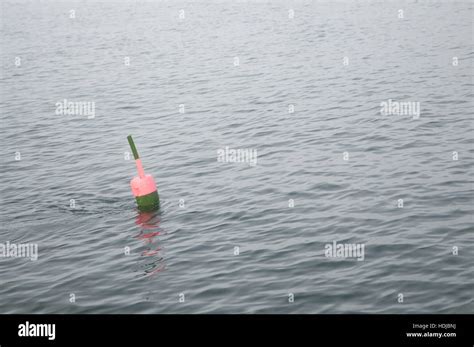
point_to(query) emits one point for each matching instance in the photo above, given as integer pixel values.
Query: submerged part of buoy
(143, 187)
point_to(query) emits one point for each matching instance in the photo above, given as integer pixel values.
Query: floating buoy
(144, 186)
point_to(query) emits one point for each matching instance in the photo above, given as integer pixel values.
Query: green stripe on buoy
(148, 202)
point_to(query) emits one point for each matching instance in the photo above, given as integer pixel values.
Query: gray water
(423, 250)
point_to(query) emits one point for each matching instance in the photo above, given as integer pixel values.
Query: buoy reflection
(151, 260)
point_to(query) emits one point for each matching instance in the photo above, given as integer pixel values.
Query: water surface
(117, 260)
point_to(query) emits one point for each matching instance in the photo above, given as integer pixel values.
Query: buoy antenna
(132, 146)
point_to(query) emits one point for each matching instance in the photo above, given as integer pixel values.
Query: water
(189, 250)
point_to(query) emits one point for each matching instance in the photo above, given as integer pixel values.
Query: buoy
(143, 186)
